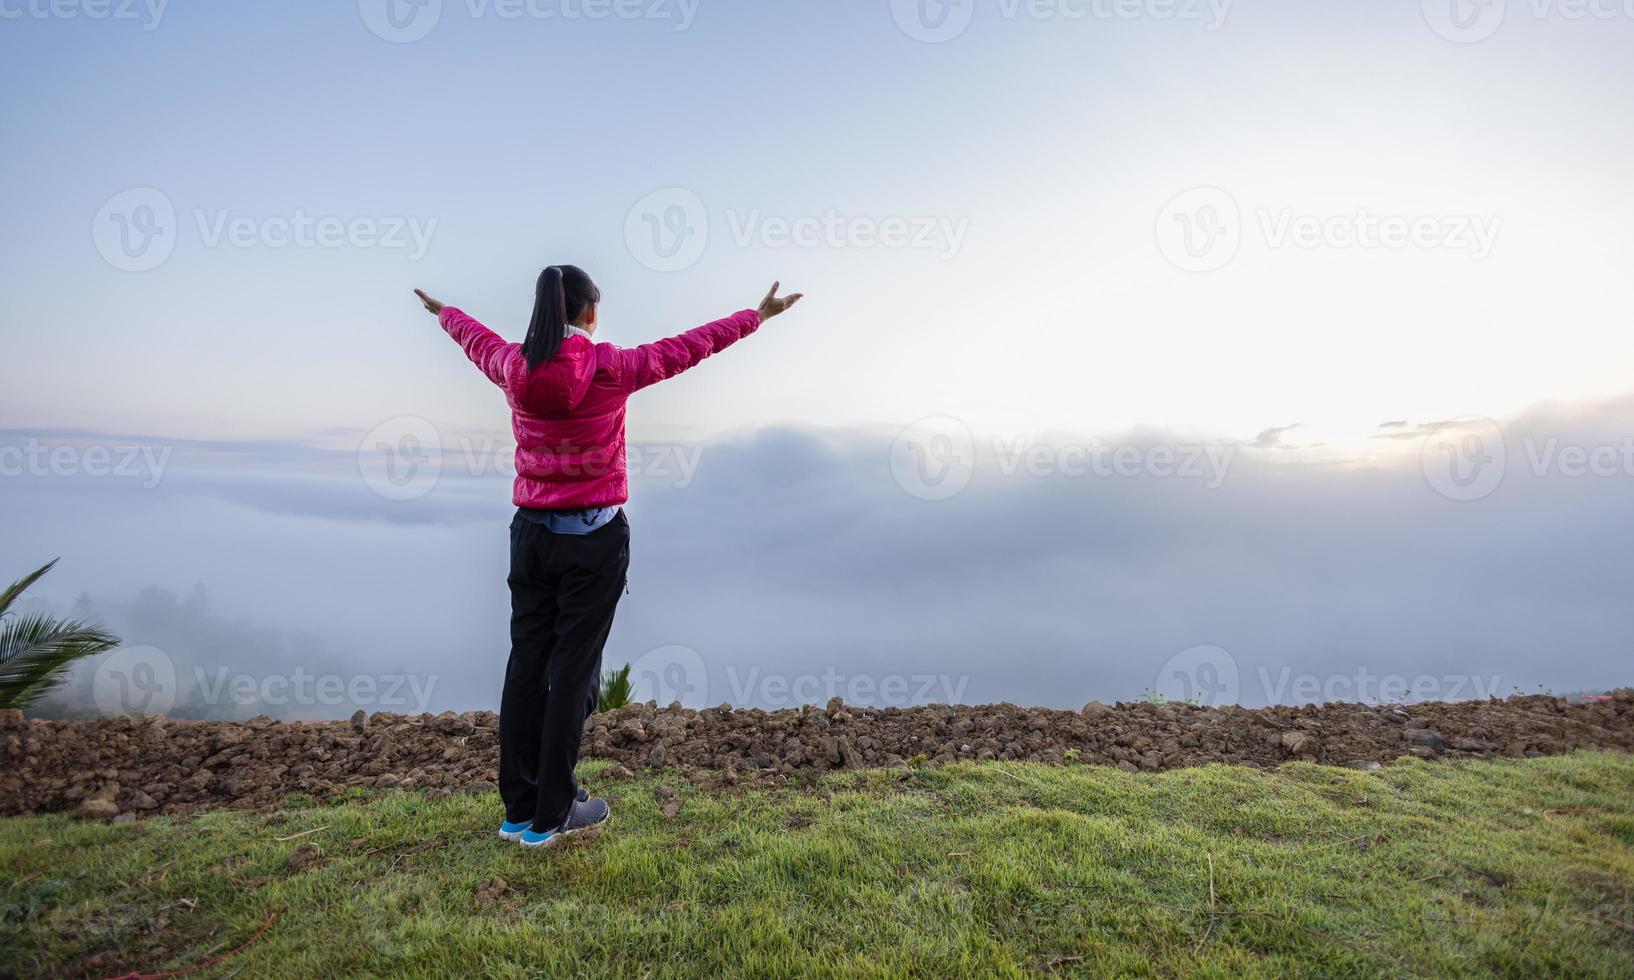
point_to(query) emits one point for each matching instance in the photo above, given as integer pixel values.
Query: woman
(570, 542)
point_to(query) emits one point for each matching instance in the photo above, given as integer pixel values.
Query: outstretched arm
(651, 363)
(485, 348)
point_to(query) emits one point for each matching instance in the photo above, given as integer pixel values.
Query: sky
(1146, 342)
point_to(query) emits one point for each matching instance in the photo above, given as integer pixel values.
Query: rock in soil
(304, 856)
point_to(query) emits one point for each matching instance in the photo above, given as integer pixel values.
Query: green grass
(1514, 868)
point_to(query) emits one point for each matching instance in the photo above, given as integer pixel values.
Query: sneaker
(513, 831)
(582, 815)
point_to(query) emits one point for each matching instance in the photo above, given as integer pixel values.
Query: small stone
(360, 720)
(1095, 709)
(669, 802)
(1426, 737)
(490, 890)
(1301, 745)
(97, 808)
(304, 856)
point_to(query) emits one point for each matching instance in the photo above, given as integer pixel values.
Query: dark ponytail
(561, 296)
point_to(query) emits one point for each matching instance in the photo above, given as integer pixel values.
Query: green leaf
(615, 689)
(37, 649)
(18, 587)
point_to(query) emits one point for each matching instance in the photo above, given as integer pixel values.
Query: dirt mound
(126, 767)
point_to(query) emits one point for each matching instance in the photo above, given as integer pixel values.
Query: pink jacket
(568, 413)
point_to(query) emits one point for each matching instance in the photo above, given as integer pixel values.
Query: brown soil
(122, 768)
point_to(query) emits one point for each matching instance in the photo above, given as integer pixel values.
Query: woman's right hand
(435, 306)
(772, 305)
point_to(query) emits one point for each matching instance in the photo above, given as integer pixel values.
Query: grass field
(1516, 868)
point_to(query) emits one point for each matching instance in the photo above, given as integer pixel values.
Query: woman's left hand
(435, 306)
(773, 304)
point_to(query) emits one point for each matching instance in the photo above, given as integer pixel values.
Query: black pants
(564, 589)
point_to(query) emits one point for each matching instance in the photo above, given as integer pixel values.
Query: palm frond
(36, 650)
(18, 587)
(615, 689)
